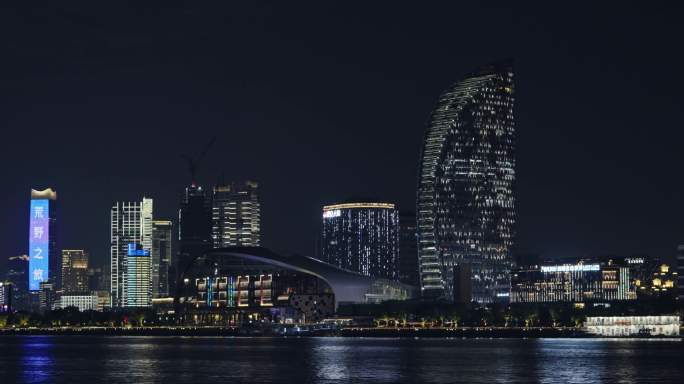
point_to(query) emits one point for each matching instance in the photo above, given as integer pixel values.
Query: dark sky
(320, 102)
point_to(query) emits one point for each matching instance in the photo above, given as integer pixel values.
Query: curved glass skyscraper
(465, 201)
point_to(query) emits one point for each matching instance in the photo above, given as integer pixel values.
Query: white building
(131, 225)
(82, 302)
(619, 326)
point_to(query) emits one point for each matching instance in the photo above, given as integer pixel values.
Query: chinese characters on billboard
(39, 237)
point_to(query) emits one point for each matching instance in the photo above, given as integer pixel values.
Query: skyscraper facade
(44, 259)
(162, 257)
(74, 271)
(680, 271)
(236, 215)
(194, 228)
(131, 224)
(17, 272)
(362, 237)
(465, 200)
(138, 277)
(408, 250)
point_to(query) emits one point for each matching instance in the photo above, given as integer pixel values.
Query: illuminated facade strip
(362, 237)
(358, 206)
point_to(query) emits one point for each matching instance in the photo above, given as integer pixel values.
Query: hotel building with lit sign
(363, 238)
(577, 283)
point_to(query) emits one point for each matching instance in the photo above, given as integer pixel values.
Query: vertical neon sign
(39, 237)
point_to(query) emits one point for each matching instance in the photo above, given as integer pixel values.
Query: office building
(194, 230)
(162, 257)
(138, 277)
(84, 302)
(408, 249)
(6, 297)
(74, 271)
(98, 279)
(17, 275)
(576, 283)
(104, 300)
(46, 296)
(236, 215)
(463, 285)
(363, 238)
(465, 199)
(131, 224)
(44, 260)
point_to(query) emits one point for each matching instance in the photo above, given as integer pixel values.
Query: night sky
(323, 102)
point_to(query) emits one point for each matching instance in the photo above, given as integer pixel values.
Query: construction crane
(193, 164)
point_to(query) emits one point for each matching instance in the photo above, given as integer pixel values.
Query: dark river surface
(204, 360)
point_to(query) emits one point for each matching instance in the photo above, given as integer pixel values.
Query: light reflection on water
(87, 359)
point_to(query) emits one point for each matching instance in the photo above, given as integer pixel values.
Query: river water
(203, 360)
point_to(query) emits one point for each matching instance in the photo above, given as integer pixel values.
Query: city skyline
(559, 159)
(340, 191)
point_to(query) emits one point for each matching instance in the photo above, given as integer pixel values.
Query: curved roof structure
(349, 287)
(47, 193)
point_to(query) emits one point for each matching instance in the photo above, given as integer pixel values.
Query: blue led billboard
(39, 239)
(135, 250)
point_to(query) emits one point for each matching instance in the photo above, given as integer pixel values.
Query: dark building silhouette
(523, 259)
(162, 257)
(97, 279)
(17, 275)
(463, 285)
(194, 229)
(408, 248)
(465, 200)
(680, 272)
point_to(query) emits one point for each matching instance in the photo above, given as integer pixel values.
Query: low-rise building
(578, 283)
(248, 283)
(82, 302)
(621, 326)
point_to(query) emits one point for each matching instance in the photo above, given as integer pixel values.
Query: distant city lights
(571, 268)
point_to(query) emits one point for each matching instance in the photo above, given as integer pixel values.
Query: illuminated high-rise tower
(44, 260)
(75, 271)
(362, 237)
(236, 215)
(465, 199)
(131, 231)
